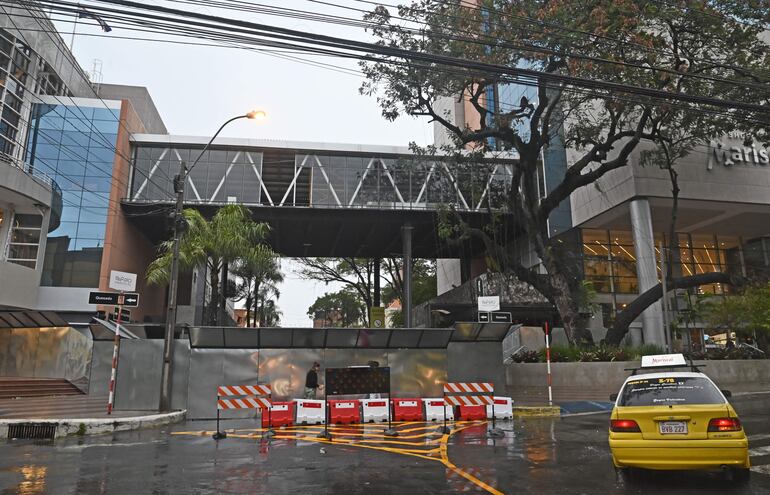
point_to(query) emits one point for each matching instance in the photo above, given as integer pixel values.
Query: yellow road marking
(438, 454)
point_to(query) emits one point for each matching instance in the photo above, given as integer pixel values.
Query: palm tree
(215, 244)
(260, 271)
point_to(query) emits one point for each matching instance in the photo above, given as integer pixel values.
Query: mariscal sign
(728, 156)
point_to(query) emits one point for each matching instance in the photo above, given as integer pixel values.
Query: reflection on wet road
(538, 456)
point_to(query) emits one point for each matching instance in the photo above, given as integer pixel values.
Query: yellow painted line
(352, 441)
(386, 449)
(445, 460)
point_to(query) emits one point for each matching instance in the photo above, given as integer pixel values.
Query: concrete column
(377, 291)
(406, 304)
(646, 269)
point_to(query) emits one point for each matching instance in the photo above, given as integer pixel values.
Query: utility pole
(168, 341)
(179, 225)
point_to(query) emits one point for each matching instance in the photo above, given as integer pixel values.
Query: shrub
(526, 356)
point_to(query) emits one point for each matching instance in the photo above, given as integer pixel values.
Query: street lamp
(179, 183)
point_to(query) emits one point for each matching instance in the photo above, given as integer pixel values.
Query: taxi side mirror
(726, 393)
(613, 397)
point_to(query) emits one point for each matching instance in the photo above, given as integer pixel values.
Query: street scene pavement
(566, 455)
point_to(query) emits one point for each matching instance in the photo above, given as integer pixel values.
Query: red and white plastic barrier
(279, 414)
(344, 411)
(310, 411)
(436, 408)
(407, 410)
(470, 413)
(503, 408)
(374, 410)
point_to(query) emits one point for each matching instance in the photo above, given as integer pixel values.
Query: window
(670, 391)
(24, 240)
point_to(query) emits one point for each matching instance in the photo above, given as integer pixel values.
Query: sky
(196, 88)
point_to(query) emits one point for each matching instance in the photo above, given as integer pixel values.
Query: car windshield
(668, 391)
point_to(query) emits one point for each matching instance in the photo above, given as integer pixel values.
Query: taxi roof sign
(659, 360)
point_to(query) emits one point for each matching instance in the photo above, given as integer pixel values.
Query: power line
(363, 51)
(523, 82)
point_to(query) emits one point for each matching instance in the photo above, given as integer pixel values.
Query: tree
(339, 309)
(747, 313)
(675, 49)
(212, 244)
(259, 272)
(356, 274)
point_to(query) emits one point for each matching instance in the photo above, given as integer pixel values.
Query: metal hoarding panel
(101, 365)
(243, 338)
(417, 372)
(5, 352)
(369, 337)
(434, 338)
(50, 358)
(407, 337)
(139, 370)
(341, 337)
(342, 358)
(79, 357)
(181, 374)
(241, 367)
(207, 372)
(276, 338)
(477, 362)
(465, 331)
(22, 351)
(285, 370)
(494, 332)
(207, 337)
(307, 337)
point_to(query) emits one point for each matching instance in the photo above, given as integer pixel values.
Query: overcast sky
(196, 88)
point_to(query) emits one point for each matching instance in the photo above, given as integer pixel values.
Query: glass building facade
(75, 145)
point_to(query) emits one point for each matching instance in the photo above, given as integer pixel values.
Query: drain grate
(32, 430)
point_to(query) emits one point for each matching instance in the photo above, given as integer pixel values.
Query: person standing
(311, 381)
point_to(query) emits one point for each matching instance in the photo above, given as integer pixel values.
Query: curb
(93, 426)
(537, 411)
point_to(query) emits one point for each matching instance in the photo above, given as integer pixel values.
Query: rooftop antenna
(96, 74)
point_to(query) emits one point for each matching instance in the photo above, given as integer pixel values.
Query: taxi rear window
(668, 391)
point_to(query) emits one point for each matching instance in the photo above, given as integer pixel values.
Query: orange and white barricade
(503, 408)
(241, 397)
(310, 411)
(374, 410)
(470, 397)
(436, 410)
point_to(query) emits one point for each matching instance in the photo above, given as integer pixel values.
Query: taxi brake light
(725, 424)
(624, 426)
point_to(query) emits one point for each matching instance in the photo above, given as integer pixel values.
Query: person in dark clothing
(311, 381)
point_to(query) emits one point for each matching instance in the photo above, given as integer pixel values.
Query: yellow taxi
(666, 419)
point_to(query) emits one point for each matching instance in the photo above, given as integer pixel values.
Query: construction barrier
(344, 411)
(241, 397)
(310, 411)
(503, 408)
(374, 410)
(471, 400)
(437, 410)
(407, 410)
(470, 413)
(280, 414)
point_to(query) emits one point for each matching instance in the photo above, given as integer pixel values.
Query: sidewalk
(78, 415)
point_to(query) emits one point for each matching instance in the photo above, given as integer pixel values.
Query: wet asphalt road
(537, 456)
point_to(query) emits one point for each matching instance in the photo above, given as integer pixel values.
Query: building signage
(489, 303)
(122, 281)
(130, 300)
(728, 156)
(377, 316)
(495, 317)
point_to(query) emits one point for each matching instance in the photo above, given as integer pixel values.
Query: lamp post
(168, 341)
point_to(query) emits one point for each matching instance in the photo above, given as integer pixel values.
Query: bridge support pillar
(377, 295)
(406, 304)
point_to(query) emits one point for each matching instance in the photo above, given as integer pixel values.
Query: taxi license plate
(673, 427)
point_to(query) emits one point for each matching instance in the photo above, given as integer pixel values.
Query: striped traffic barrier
(467, 394)
(243, 397)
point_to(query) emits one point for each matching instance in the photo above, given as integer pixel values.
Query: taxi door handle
(671, 418)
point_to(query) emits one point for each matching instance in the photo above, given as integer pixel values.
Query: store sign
(728, 156)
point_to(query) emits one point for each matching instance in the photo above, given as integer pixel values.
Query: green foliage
(339, 309)
(81, 430)
(224, 239)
